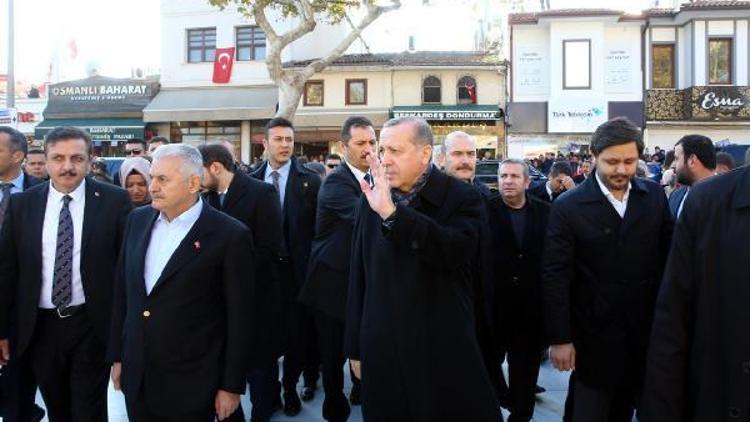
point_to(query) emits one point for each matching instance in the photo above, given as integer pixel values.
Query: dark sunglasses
(134, 152)
(332, 166)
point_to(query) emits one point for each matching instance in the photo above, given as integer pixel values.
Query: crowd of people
(186, 277)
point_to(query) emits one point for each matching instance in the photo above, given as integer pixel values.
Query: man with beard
(606, 245)
(694, 160)
(411, 326)
(326, 287)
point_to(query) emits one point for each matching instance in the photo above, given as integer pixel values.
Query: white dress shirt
(620, 206)
(358, 174)
(17, 185)
(682, 203)
(283, 177)
(49, 243)
(166, 236)
(549, 191)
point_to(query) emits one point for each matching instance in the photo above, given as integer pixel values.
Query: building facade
(698, 71)
(571, 70)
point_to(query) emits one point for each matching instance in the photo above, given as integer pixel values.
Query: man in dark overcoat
(411, 327)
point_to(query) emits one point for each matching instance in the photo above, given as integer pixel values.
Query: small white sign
(619, 69)
(531, 70)
(575, 115)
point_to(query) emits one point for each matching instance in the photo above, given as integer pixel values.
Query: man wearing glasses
(332, 163)
(135, 147)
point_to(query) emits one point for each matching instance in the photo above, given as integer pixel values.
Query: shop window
(201, 45)
(467, 90)
(356, 91)
(663, 65)
(250, 43)
(719, 61)
(313, 95)
(577, 64)
(432, 91)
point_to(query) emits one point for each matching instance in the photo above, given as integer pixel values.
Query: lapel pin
(304, 184)
(197, 245)
(96, 193)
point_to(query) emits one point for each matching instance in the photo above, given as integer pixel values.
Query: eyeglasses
(332, 166)
(134, 152)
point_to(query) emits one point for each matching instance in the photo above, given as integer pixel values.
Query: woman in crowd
(135, 178)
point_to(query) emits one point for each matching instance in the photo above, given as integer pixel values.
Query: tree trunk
(290, 93)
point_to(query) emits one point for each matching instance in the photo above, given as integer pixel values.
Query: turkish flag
(223, 65)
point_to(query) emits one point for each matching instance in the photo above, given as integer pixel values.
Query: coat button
(516, 279)
(734, 412)
(146, 314)
(520, 256)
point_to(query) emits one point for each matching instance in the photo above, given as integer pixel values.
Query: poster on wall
(619, 63)
(575, 115)
(531, 70)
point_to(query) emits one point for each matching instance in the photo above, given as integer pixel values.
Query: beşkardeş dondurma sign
(449, 113)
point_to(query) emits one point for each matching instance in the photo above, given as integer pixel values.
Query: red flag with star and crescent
(223, 65)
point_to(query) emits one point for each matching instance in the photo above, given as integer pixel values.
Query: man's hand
(4, 351)
(379, 197)
(226, 403)
(568, 183)
(115, 375)
(563, 356)
(356, 368)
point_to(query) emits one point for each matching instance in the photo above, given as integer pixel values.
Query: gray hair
(422, 129)
(457, 135)
(518, 161)
(191, 157)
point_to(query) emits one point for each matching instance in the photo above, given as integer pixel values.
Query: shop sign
(100, 95)
(722, 101)
(8, 117)
(455, 115)
(569, 115)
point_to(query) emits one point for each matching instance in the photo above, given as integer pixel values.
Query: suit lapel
(636, 205)
(234, 193)
(292, 192)
(141, 245)
(600, 210)
(189, 248)
(35, 232)
(90, 213)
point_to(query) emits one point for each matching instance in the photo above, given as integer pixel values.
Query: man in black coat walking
(604, 256)
(699, 356)
(256, 204)
(518, 223)
(411, 326)
(694, 161)
(326, 287)
(298, 193)
(184, 289)
(60, 243)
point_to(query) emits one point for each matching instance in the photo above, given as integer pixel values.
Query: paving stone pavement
(549, 406)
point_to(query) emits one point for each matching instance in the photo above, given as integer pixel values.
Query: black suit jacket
(300, 203)
(104, 216)
(600, 277)
(256, 204)
(675, 198)
(518, 270)
(29, 181)
(540, 192)
(327, 282)
(188, 338)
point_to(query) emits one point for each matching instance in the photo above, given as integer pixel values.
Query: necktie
(275, 176)
(5, 189)
(221, 199)
(62, 281)
(368, 179)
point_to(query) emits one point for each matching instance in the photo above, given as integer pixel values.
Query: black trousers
(585, 403)
(17, 391)
(331, 345)
(301, 355)
(138, 411)
(68, 361)
(265, 390)
(523, 369)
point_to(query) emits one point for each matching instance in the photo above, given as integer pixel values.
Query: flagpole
(11, 81)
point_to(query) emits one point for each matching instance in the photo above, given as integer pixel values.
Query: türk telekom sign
(100, 96)
(575, 115)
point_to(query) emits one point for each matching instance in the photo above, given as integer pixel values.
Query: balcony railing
(699, 103)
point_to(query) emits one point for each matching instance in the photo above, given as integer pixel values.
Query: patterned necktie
(62, 281)
(275, 176)
(368, 179)
(5, 189)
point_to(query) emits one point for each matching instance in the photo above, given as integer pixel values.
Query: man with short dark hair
(724, 162)
(332, 162)
(35, 165)
(607, 241)
(298, 188)
(60, 243)
(256, 204)
(156, 142)
(560, 179)
(326, 287)
(17, 384)
(518, 222)
(410, 327)
(135, 147)
(694, 161)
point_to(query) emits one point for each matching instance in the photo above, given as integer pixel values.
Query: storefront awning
(450, 113)
(100, 129)
(336, 118)
(206, 104)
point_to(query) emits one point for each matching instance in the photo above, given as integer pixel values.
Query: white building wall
(742, 45)
(699, 53)
(531, 63)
